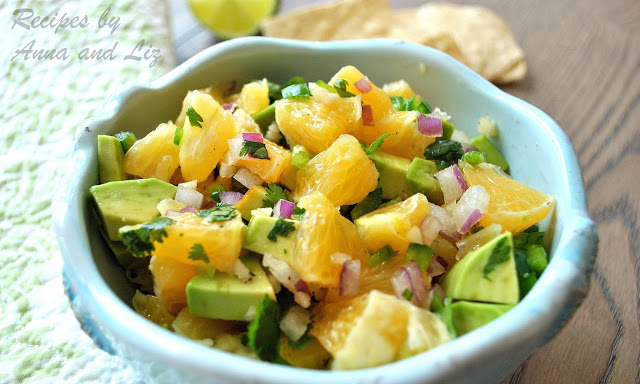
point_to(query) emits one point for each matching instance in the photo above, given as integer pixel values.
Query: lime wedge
(233, 18)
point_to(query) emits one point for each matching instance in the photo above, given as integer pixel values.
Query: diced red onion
(350, 278)
(251, 136)
(302, 286)
(229, 106)
(172, 213)
(409, 277)
(449, 230)
(230, 197)
(283, 208)
(295, 322)
(367, 115)
(247, 178)
(473, 205)
(210, 204)
(429, 126)
(435, 267)
(452, 183)
(363, 85)
(188, 208)
(289, 278)
(189, 196)
(429, 229)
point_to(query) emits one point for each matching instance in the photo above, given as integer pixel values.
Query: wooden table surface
(584, 71)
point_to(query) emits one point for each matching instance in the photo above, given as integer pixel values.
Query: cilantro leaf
(140, 241)
(280, 228)
(499, 255)
(407, 294)
(296, 90)
(220, 212)
(198, 253)
(444, 310)
(255, 149)
(297, 212)
(368, 204)
(177, 136)
(340, 87)
(274, 193)
(194, 117)
(375, 145)
(410, 104)
(444, 152)
(263, 333)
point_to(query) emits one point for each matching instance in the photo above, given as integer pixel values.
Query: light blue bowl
(538, 151)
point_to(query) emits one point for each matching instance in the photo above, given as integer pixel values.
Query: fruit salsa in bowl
(278, 211)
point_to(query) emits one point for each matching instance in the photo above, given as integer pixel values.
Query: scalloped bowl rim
(507, 336)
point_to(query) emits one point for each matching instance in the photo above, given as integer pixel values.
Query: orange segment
(377, 98)
(315, 122)
(202, 147)
(343, 173)
(221, 241)
(512, 204)
(154, 155)
(270, 169)
(375, 329)
(170, 278)
(254, 97)
(393, 225)
(400, 88)
(323, 231)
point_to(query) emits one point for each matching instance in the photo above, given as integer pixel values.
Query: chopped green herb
(410, 104)
(474, 157)
(280, 228)
(194, 118)
(220, 212)
(198, 253)
(297, 212)
(476, 229)
(444, 152)
(296, 90)
(340, 88)
(375, 145)
(177, 136)
(215, 190)
(255, 149)
(126, 140)
(424, 107)
(444, 310)
(275, 89)
(140, 241)
(421, 253)
(536, 258)
(368, 204)
(407, 294)
(263, 333)
(382, 255)
(499, 255)
(274, 193)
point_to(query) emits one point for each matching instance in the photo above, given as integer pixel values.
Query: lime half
(233, 18)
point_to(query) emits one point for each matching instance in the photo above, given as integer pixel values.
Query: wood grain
(584, 71)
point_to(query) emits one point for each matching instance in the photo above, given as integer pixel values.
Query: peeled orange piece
(400, 88)
(269, 170)
(254, 96)
(154, 155)
(221, 241)
(512, 204)
(315, 122)
(343, 173)
(323, 231)
(170, 278)
(375, 329)
(201, 147)
(377, 98)
(394, 225)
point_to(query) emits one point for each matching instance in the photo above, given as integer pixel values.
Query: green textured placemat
(45, 94)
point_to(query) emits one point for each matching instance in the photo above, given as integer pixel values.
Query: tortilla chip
(340, 20)
(483, 40)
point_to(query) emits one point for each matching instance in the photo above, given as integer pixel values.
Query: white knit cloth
(42, 102)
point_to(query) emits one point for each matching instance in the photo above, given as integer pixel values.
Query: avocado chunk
(129, 202)
(468, 315)
(226, 296)
(393, 175)
(487, 274)
(251, 200)
(257, 241)
(110, 159)
(420, 178)
(483, 144)
(119, 250)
